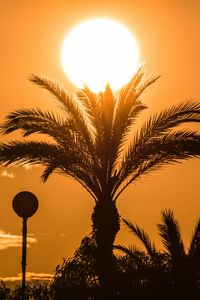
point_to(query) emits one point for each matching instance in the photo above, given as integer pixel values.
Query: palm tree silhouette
(185, 265)
(179, 266)
(91, 144)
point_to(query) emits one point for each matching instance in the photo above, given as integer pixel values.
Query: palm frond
(28, 152)
(150, 156)
(103, 122)
(123, 128)
(132, 85)
(71, 105)
(126, 101)
(37, 121)
(170, 233)
(83, 174)
(167, 119)
(47, 154)
(156, 127)
(130, 250)
(54, 87)
(49, 169)
(143, 237)
(53, 157)
(107, 108)
(194, 248)
(104, 147)
(128, 108)
(145, 83)
(93, 104)
(91, 101)
(88, 99)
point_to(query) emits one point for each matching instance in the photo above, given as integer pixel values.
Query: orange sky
(32, 33)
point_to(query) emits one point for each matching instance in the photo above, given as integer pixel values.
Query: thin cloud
(8, 240)
(38, 276)
(7, 174)
(29, 276)
(43, 234)
(63, 235)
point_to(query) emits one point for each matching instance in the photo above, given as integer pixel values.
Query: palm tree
(179, 266)
(185, 264)
(89, 143)
(152, 269)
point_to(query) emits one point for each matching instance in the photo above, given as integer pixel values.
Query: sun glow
(97, 52)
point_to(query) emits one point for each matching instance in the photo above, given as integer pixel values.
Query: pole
(25, 204)
(24, 233)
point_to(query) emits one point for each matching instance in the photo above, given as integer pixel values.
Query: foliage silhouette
(90, 142)
(173, 269)
(34, 291)
(76, 277)
(140, 275)
(4, 291)
(165, 274)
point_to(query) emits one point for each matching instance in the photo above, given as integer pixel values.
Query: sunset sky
(32, 33)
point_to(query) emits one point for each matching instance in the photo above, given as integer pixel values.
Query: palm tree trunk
(106, 224)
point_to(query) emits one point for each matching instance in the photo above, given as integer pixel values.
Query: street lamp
(25, 204)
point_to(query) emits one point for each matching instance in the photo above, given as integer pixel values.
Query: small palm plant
(175, 265)
(89, 135)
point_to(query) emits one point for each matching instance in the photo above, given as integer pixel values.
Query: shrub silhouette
(34, 291)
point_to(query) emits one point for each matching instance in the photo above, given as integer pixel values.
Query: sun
(100, 51)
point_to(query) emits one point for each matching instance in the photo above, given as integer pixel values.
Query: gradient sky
(32, 33)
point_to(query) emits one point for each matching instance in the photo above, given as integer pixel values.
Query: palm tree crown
(91, 132)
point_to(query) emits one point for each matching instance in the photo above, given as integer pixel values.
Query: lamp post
(25, 204)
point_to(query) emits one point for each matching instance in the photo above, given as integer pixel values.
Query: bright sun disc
(100, 51)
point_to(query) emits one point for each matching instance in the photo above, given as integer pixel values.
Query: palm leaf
(53, 157)
(37, 121)
(106, 104)
(128, 108)
(71, 105)
(167, 119)
(170, 232)
(142, 236)
(131, 86)
(122, 129)
(107, 108)
(130, 250)
(91, 101)
(194, 248)
(28, 152)
(150, 156)
(49, 169)
(126, 103)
